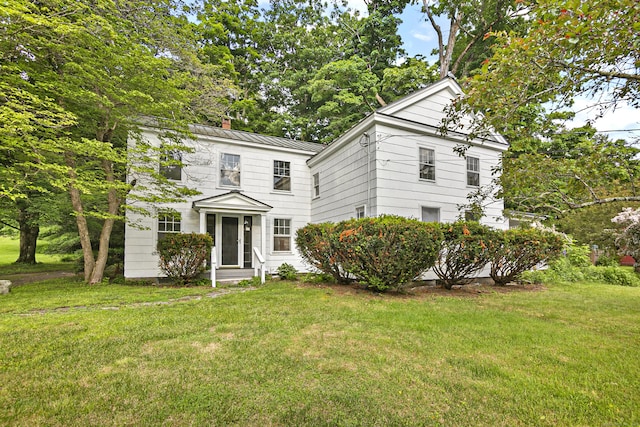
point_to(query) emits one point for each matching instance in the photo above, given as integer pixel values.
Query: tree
(573, 48)
(629, 239)
(469, 22)
(105, 64)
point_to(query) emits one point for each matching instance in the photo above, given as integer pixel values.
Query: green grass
(9, 250)
(290, 355)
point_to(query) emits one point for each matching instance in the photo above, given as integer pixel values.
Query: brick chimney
(226, 123)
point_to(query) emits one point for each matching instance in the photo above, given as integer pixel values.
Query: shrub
(287, 272)
(608, 261)
(513, 252)
(183, 256)
(463, 252)
(317, 246)
(387, 251)
(618, 276)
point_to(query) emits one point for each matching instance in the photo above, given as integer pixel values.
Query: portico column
(263, 235)
(203, 222)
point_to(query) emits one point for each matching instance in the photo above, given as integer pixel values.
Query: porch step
(232, 274)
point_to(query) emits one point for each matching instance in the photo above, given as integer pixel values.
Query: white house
(258, 190)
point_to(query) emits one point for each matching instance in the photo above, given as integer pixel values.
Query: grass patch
(9, 251)
(307, 355)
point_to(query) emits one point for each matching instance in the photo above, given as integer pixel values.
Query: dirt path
(24, 278)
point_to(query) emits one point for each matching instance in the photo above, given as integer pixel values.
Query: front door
(229, 240)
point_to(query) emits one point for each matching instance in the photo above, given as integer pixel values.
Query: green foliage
(388, 251)
(384, 252)
(183, 256)
(318, 278)
(464, 252)
(608, 261)
(318, 247)
(287, 272)
(578, 255)
(515, 251)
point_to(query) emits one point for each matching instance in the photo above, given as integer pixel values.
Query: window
(168, 222)
(430, 214)
(281, 235)
(360, 212)
(427, 164)
(281, 175)
(230, 170)
(316, 184)
(473, 171)
(170, 165)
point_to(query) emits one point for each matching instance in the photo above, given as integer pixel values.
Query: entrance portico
(237, 224)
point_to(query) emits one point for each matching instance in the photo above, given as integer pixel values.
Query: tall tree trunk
(29, 231)
(107, 227)
(81, 221)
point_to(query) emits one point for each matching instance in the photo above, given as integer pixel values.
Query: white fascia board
(431, 131)
(347, 137)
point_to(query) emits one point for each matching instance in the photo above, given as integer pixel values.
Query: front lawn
(288, 354)
(9, 251)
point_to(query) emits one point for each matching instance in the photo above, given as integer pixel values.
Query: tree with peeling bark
(104, 65)
(469, 21)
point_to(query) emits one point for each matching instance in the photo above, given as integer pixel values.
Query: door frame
(239, 238)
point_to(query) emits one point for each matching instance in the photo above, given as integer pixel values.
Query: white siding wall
(343, 182)
(400, 190)
(202, 172)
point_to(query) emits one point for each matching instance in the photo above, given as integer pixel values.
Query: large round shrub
(463, 252)
(316, 244)
(516, 251)
(387, 251)
(184, 256)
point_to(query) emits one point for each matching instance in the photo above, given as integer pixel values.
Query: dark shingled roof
(255, 138)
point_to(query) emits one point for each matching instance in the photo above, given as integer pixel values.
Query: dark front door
(229, 240)
(247, 241)
(211, 231)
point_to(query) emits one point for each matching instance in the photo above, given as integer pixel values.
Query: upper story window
(427, 164)
(473, 171)
(360, 212)
(430, 214)
(168, 222)
(281, 175)
(230, 170)
(316, 184)
(281, 235)
(170, 165)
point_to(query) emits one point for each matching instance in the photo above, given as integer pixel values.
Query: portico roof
(233, 201)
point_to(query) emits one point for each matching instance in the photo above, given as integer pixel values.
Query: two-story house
(258, 190)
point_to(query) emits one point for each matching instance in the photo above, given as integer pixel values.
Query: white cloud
(623, 118)
(422, 36)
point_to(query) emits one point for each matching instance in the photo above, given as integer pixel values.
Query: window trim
(220, 170)
(432, 164)
(316, 184)
(475, 172)
(422, 207)
(275, 235)
(288, 175)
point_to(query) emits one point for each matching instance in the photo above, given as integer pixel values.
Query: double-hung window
(170, 165)
(360, 212)
(316, 184)
(230, 170)
(281, 235)
(473, 171)
(281, 175)
(168, 223)
(427, 164)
